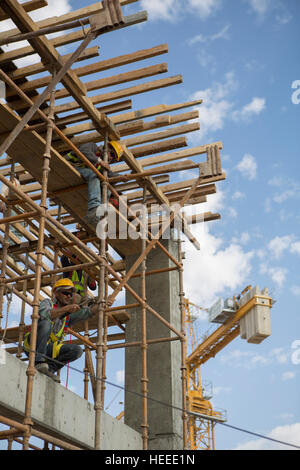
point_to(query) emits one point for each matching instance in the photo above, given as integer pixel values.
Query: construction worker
(95, 155)
(77, 277)
(54, 317)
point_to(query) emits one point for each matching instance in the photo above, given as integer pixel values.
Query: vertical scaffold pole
(5, 247)
(22, 319)
(183, 349)
(102, 303)
(40, 252)
(105, 328)
(144, 346)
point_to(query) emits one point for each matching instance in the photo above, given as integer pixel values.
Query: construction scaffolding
(40, 214)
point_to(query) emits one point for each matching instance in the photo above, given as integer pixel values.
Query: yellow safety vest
(71, 157)
(56, 339)
(78, 283)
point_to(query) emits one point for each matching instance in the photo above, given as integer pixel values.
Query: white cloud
(282, 183)
(280, 355)
(166, 10)
(248, 166)
(260, 7)
(218, 105)
(289, 434)
(243, 238)
(120, 377)
(214, 269)
(221, 390)
(222, 34)
(238, 195)
(295, 248)
(204, 8)
(288, 375)
(172, 10)
(53, 8)
(255, 107)
(295, 290)
(215, 108)
(277, 274)
(279, 244)
(250, 359)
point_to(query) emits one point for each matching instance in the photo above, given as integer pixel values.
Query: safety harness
(73, 158)
(56, 339)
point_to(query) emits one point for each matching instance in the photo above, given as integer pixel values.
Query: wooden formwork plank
(99, 83)
(66, 18)
(33, 69)
(28, 6)
(124, 93)
(29, 50)
(173, 156)
(130, 142)
(133, 127)
(95, 67)
(28, 149)
(152, 111)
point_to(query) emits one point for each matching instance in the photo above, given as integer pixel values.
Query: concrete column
(163, 359)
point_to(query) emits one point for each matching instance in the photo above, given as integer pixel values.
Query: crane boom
(225, 333)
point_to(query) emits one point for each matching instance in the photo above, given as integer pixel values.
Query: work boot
(91, 217)
(53, 376)
(42, 367)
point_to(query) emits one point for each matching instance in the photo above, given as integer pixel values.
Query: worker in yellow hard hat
(95, 155)
(55, 316)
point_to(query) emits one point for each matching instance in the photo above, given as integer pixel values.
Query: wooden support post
(40, 251)
(5, 249)
(144, 346)
(183, 350)
(101, 311)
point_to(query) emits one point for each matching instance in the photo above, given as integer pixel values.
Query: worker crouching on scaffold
(54, 317)
(95, 155)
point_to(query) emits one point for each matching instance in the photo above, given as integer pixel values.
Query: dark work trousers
(67, 353)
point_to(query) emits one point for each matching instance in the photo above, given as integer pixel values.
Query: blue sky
(241, 58)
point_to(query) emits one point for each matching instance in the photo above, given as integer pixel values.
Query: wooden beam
(78, 117)
(130, 128)
(190, 152)
(99, 83)
(67, 77)
(158, 170)
(152, 111)
(95, 67)
(66, 18)
(33, 69)
(153, 188)
(28, 6)
(29, 50)
(149, 86)
(173, 195)
(154, 136)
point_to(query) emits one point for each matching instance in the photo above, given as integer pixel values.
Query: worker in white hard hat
(55, 316)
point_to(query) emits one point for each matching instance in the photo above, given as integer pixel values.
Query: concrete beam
(58, 411)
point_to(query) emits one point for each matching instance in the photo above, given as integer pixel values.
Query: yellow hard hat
(118, 150)
(63, 283)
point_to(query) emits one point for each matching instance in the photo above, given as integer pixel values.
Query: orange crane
(247, 315)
